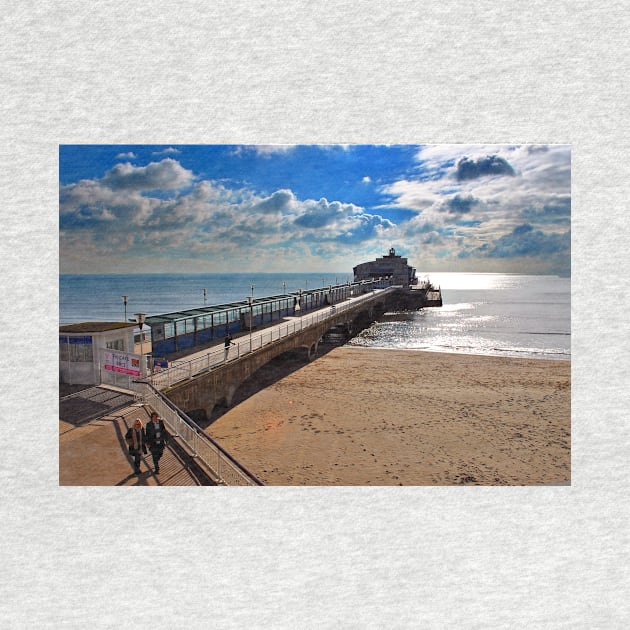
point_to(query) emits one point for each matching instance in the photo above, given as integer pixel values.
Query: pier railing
(184, 369)
(222, 467)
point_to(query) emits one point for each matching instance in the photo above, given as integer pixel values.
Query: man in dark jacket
(156, 439)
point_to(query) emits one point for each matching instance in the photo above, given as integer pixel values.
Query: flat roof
(208, 310)
(87, 327)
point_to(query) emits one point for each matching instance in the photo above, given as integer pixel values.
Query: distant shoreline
(546, 357)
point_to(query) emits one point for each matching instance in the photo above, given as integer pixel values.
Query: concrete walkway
(93, 451)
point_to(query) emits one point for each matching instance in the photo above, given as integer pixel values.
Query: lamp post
(251, 314)
(250, 299)
(124, 298)
(300, 304)
(140, 317)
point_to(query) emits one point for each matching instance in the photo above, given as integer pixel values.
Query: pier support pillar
(312, 351)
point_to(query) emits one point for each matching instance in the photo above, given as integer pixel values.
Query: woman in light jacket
(137, 442)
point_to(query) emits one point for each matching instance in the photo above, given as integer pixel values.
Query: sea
(482, 313)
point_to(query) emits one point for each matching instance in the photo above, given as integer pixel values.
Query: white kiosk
(92, 353)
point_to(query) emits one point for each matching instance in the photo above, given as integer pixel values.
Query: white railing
(224, 469)
(184, 369)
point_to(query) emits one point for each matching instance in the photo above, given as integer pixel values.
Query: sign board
(123, 362)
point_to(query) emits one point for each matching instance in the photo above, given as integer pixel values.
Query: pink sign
(121, 362)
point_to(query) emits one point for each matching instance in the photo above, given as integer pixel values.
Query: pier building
(393, 267)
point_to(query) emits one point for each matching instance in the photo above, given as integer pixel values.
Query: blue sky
(222, 208)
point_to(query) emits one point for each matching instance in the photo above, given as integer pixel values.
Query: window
(116, 344)
(75, 349)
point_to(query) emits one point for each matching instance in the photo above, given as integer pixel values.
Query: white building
(91, 353)
(392, 266)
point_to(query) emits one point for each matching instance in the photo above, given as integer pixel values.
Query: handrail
(223, 466)
(184, 370)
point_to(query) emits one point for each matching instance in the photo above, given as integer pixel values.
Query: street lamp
(140, 318)
(251, 315)
(300, 305)
(124, 297)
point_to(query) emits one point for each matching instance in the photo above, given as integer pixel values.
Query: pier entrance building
(91, 353)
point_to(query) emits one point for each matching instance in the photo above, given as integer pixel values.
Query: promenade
(93, 451)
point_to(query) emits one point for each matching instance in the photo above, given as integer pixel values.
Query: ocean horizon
(483, 313)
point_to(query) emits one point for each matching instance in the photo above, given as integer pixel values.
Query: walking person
(156, 439)
(227, 344)
(136, 440)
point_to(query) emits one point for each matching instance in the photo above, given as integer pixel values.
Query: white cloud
(202, 219)
(165, 208)
(167, 151)
(165, 175)
(266, 150)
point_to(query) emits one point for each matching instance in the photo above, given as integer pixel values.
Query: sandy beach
(358, 416)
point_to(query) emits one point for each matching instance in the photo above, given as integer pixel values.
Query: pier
(210, 352)
(204, 379)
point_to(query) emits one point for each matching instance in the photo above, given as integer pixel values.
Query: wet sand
(359, 416)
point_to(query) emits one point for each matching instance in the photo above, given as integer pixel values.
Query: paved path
(93, 452)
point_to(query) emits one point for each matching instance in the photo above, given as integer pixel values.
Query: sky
(310, 208)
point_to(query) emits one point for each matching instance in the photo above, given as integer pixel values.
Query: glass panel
(81, 353)
(116, 344)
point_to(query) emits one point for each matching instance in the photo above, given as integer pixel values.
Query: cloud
(460, 205)
(537, 148)
(280, 201)
(88, 203)
(129, 155)
(165, 175)
(267, 150)
(317, 214)
(468, 168)
(200, 218)
(555, 211)
(175, 214)
(363, 227)
(524, 240)
(167, 151)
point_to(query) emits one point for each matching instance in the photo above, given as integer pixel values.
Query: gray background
(304, 72)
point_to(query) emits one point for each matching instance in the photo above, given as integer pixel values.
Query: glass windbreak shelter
(186, 330)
